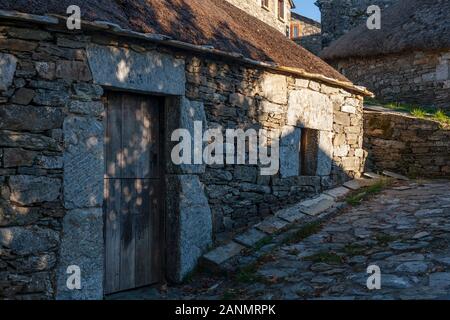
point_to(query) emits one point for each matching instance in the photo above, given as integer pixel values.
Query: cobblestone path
(404, 230)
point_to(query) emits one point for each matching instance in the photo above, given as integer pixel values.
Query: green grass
(415, 110)
(304, 232)
(419, 113)
(324, 257)
(361, 195)
(442, 117)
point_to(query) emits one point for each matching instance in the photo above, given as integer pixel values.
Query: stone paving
(405, 230)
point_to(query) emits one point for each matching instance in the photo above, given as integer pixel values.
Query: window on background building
(295, 32)
(281, 9)
(265, 4)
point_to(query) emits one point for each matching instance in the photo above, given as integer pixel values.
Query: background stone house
(306, 32)
(341, 16)
(407, 60)
(86, 118)
(275, 13)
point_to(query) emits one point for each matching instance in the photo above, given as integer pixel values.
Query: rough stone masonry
(341, 16)
(417, 147)
(419, 78)
(52, 138)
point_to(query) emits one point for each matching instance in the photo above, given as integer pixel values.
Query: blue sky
(308, 9)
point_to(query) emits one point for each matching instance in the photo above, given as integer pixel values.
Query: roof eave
(112, 28)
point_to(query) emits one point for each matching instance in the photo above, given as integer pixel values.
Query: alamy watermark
(74, 20)
(374, 280)
(237, 147)
(74, 280)
(374, 20)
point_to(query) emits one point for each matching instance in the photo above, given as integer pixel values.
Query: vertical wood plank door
(133, 185)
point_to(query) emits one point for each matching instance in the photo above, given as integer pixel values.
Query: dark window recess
(281, 9)
(309, 150)
(296, 33)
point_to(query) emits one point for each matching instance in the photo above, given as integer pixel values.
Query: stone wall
(51, 150)
(268, 15)
(341, 16)
(238, 97)
(420, 78)
(51, 161)
(310, 36)
(407, 145)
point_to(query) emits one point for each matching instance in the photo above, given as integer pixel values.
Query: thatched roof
(405, 26)
(202, 22)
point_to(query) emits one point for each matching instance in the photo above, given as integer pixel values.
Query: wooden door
(133, 187)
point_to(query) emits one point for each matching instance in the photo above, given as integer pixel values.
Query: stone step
(338, 193)
(250, 237)
(223, 253)
(372, 175)
(395, 175)
(292, 214)
(317, 205)
(219, 258)
(357, 184)
(271, 225)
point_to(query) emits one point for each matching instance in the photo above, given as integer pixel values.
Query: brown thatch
(405, 26)
(202, 22)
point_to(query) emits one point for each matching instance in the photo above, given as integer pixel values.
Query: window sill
(265, 8)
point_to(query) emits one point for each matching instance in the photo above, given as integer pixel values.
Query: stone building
(407, 60)
(87, 124)
(306, 32)
(276, 13)
(341, 16)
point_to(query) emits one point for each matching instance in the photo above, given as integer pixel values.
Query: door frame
(162, 177)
